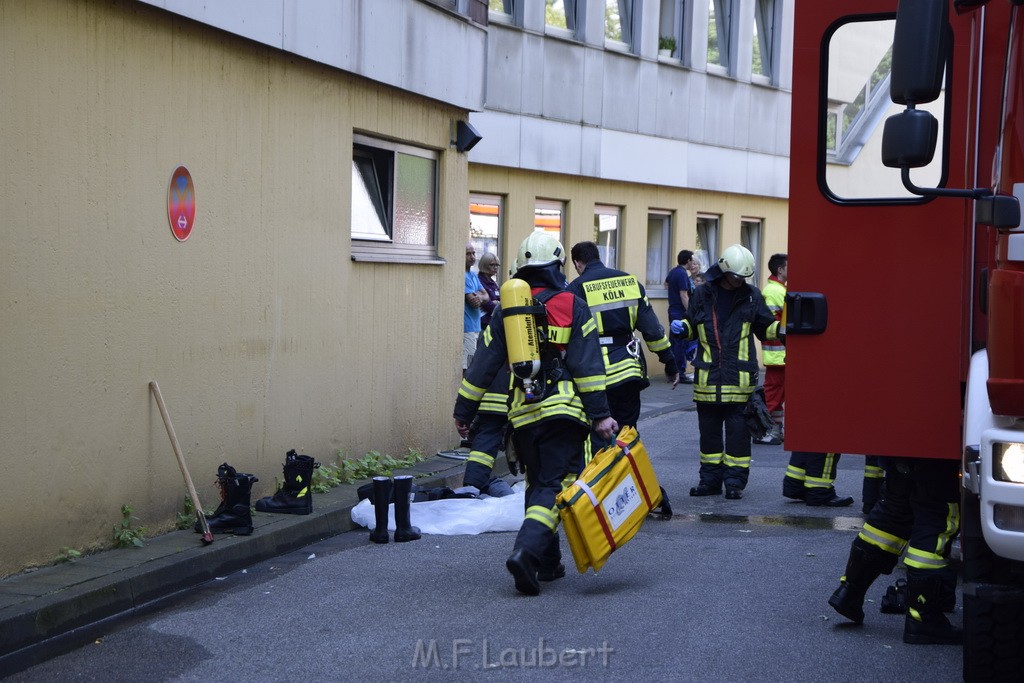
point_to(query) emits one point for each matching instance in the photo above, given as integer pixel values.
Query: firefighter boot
(381, 500)
(925, 624)
(862, 568)
(404, 530)
(550, 566)
(295, 496)
(233, 515)
(522, 565)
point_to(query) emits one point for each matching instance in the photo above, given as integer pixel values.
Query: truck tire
(993, 631)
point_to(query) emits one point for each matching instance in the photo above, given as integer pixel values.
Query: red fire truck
(906, 305)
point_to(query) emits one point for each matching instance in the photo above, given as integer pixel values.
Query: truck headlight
(1008, 463)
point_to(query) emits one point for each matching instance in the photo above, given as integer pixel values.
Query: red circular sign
(181, 203)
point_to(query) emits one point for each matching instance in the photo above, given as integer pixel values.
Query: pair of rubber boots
(233, 515)
(924, 624)
(528, 570)
(399, 491)
(295, 497)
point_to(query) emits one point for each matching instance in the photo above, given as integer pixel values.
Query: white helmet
(539, 249)
(737, 260)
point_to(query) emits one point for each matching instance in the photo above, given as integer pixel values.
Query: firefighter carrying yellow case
(606, 505)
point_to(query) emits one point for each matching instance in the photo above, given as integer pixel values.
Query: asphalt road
(726, 590)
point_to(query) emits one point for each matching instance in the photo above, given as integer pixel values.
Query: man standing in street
(725, 316)
(772, 350)
(550, 426)
(680, 287)
(619, 305)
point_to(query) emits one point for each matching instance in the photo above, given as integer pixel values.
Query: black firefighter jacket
(726, 360)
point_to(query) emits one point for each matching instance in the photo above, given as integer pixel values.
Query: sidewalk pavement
(40, 610)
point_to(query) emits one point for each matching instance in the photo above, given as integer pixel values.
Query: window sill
(385, 252)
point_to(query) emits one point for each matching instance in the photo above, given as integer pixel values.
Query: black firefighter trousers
(551, 451)
(723, 460)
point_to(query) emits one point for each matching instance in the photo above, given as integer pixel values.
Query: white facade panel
(501, 142)
(505, 70)
(643, 159)
(414, 46)
(621, 94)
(767, 175)
(551, 146)
(563, 80)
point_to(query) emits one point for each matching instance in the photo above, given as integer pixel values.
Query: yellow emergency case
(610, 500)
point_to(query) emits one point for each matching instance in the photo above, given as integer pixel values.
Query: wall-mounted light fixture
(466, 136)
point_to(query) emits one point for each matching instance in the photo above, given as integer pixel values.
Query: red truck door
(884, 376)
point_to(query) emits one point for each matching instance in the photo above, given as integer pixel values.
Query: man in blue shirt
(475, 296)
(680, 287)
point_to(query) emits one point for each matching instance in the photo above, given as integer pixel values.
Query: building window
(618, 22)
(505, 7)
(707, 240)
(549, 216)
(659, 244)
(764, 38)
(486, 221)
(719, 31)
(561, 14)
(672, 23)
(750, 237)
(394, 201)
(607, 220)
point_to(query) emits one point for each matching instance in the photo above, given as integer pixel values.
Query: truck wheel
(993, 632)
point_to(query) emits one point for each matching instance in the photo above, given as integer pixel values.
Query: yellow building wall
(263, 334)
(520, 190)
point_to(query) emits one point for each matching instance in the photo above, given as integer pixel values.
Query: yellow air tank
(521, 333)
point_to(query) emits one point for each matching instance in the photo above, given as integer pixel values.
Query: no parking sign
(181, 203)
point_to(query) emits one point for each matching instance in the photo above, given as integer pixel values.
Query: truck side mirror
(909, 138)
(919, 50)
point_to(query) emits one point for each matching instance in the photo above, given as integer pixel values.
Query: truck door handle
(806, 313)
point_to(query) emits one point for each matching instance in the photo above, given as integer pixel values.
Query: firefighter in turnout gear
(920, 513)
(619, 305)
(567, 401)
(725, 316)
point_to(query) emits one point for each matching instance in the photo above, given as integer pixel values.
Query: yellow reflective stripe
(559, 335)
(744, 346)
(589, 326)
(711, 458)
(633, 311)
(882, 540)
(610, 290)
(482, 458)
(744, 378)
(873, 472)
(487, 336)
(615, 305)
(705, 347)
(796, 472)
(818, 482)
(473, 393)
(625, 369)
(546, 516)
(494, 403)
(736, 461)
(952, 526)
(773, 330)
(302, 493)
(921, 559)
(588, 384)
(658, 345)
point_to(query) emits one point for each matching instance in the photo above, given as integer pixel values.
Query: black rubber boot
(664, 509)
(522, 565)
(550, 566)
(233, 515)
(381, 500)
(828, 498)
(864, 565)
(295, 497)
(925, 624)
(404, 530)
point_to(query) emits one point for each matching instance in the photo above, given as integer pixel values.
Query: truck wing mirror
(999, 211)
(919, 51)
(909, 138)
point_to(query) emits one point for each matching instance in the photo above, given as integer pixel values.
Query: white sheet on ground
(454, 516)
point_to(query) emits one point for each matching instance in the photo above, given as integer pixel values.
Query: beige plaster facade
(263, 333)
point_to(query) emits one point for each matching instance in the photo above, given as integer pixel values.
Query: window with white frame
(505, 7)
(394, 201)
(659, 244)
(618, 22)
(706, 251)
(549, 216)
(561, 14)
(750, 237)
(607, 220)
(764, 39)
(719, 32)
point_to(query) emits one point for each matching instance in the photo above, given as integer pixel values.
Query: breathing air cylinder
(521, 336)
